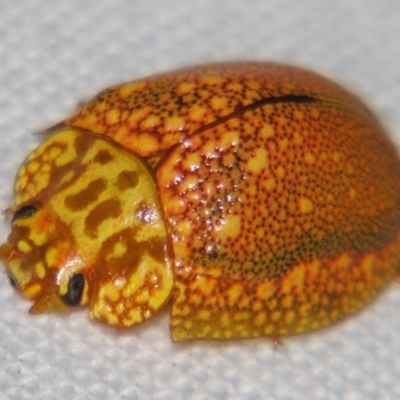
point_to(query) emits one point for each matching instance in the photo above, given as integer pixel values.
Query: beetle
(262, 199)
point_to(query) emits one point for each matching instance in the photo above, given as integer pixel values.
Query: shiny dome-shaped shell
(280, 193)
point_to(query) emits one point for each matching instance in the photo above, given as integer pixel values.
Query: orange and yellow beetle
(262, 199)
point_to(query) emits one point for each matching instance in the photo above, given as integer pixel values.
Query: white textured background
(54, 55)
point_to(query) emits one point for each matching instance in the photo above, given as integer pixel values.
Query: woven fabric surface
(53, 55)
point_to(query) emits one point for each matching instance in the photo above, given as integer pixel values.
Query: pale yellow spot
(196, 300)
(192, 161)
(120, 308)
(269, 330)
(150, 121)
(122, 134)
(205, 331)
(241, 316)
(269, 183)
(143, 296)
(174, 124)
(267, 131)
(51, 257)
(184, 310)
(367, 264)
(113, 116)
(244, 302)
(297, 138)
(266, 290)
(188, 324)
(304, 309)
(306, 205)
(21, 184)
(205, 284)
(214, 272)
(110, 292)
(282, 121)
(66, 178)
(128, 89)
(228, 334)
(33, 167)
(260, 233)
(91, 119)
(32, 291)
(276, 316)
(280, 172)
(237, 87)
(273, 303)
(147, 143)
(190, 183)
(24, 246)
(298, 114)
(40, 270)
(170, 139)
(53, 153)
(45, 167)
(252, 191)
(229, 159)
(271, 239)
(185, 87)
(112, 319)
(234, 293)
(185, 229)
(219, 103)
(269, 109)
(229, 139)
(210, 149)
(224, 320)
(258, 162)
(260, 318)
(289, 316)
(293, 278)
(253, 84)
(138, 115)
(134, 316)
(211, 80)
(231, 226)
(118, 251)
(287, 302)
(197, 112)
(309, 158)
(283, 144)
(344, 261)
(282, 215)
(204, 315)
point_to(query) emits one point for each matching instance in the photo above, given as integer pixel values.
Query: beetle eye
(75, 289)
(24, 212)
